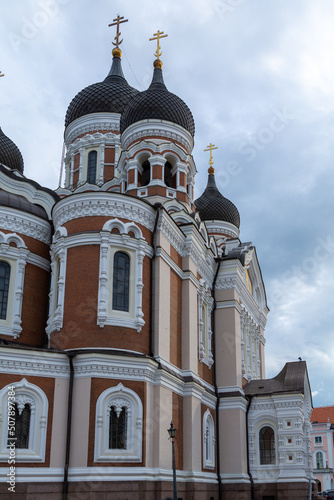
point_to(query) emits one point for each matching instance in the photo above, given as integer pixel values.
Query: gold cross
(211, 162)
(117, 22)
(157, 36)
(1, 74)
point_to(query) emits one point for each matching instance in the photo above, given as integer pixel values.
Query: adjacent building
(322, 443)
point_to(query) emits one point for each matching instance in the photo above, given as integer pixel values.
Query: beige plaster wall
(233, 448)
(162, 310)
(192, 434)
(228, 347)
(161, 418)
(59, 423)
(80, 422)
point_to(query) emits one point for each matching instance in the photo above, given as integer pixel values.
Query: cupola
(220, 214)
(10, 155)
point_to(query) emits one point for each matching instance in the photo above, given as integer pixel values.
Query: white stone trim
(136, 248)
(109, 204)
(38, 421)
(209, 441)
(27, 224)
(157, 128)
(83, 474)
(118, 396)
(58, 254)
(228, 478)
(90, 123)
(16, 257)
(233, 403)
(36, 363)
(205, 307)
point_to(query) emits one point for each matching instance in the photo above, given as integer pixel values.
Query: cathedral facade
(126, 304)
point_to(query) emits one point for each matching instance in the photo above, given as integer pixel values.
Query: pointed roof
(109, 96)
(10, 155)
(212, 205)
(157, 103)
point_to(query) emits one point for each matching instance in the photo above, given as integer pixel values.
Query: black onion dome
(20, 203)
(158, 103)
(10, 154)
(212, 205)
(109, 96)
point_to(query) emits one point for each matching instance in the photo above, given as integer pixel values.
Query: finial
(117, 51)
(2, 74)
(210, 147)
(158, 53)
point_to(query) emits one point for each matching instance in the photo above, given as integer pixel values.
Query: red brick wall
(175, 319)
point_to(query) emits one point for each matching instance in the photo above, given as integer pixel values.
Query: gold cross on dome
(157, 36)
(2, 74)
(211, 147)
(117, 22)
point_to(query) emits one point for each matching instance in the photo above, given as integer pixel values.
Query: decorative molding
(30, 393)
(90, 123)
(104, 204)
(225, 228)
(119, 397)
(209, 441)
(37, 363)
(157, 128)
(27, 224)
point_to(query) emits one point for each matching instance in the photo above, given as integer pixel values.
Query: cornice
(24, 223)
(90, 123)
(93, 139)
(107, 204)
(157, 128)
(37, 363)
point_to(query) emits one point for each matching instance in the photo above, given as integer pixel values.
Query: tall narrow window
(118, 428)
(91, 168)
(121, 274)
(146, 173)
(320, 460)
(4, 287)
(22, 426)
(267, 446)
(168, 177)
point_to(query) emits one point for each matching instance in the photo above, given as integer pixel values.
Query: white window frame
(205, 306)
(209, 442)
(136, 248)
(323, 459)
(317, 443)
(58, 274)
(25, 392)
(119, 397)
(16, 257)
(261, 426)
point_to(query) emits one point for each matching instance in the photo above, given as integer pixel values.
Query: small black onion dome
(20, 203)
(158, 103)
(212, 205)
(109, 96)
(10, 155)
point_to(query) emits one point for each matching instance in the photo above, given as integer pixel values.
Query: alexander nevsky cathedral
(128, 309)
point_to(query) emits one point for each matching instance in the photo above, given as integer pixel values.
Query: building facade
(127, 304)
(322, 444)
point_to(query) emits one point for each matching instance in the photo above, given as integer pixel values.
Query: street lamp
(172, 432)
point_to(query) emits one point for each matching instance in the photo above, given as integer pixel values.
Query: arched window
(4, 287)
(168, 177)
(91, 167)
(118, 428)
(208, 441)
(121, 273)
(146, 173)
(267, 446)
(22, 426)
(319, 460)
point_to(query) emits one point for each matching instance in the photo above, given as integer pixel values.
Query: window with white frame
(208, 441)
(23, 421)
(205, 305)
(318, 440)
(267, 447)
(13, 260)
(91, 167)
(118, 426)
(319, 460)
(122, 253)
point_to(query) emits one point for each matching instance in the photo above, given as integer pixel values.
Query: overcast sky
(258, 76)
